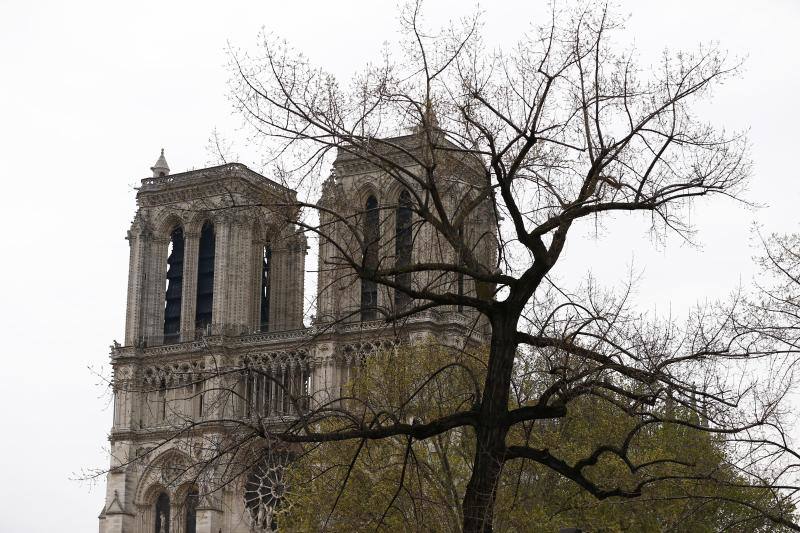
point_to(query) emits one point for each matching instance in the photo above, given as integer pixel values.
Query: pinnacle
(161, 168)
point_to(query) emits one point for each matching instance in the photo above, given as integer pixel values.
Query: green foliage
(689, 485)
(435, 472)
(394, 485)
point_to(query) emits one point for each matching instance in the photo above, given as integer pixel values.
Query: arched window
(369, 289)
(172, 304)
(205, 277)
(192, 499)
(403, 247)
(266, 265)
(460, 276)
(265, 489)
(162, 513)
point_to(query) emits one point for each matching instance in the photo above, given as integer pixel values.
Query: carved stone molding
(172, 374)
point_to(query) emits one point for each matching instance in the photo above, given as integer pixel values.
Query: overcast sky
(89, 93)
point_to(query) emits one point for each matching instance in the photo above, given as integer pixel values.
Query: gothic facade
(216, 285)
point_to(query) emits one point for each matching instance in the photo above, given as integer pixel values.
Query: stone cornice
(207, 182)
(211, 174)
(292, 340)
(405, 151)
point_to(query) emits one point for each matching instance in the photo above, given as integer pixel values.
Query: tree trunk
(480, 494)
(478, 505)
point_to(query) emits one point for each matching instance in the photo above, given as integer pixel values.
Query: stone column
(231, 286)
(123, 398)
(133, 322)
(325, 301)
(297, 271)
(291, 388)
(287, 272)
(191, 247)
(325, 375)
(232, 262)
(274, 391)
(136, 327)
(118, 515)
(155, 289)
(256, 267)
(219, 317)
(277, 272)
(239, 278)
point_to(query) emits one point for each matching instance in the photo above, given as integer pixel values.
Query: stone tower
(214, 331)
(215, 269)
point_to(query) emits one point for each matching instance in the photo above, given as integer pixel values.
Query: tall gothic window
(266, 264)
(191, 511)
(205, 277)
(162, 513)
(369, 289)
(172, 304)
(460, 276)
(403, 247)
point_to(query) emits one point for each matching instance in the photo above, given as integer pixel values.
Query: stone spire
(161, 168)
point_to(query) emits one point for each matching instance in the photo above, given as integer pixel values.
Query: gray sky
(90, 92)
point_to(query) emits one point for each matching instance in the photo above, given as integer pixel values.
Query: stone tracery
(265, 489)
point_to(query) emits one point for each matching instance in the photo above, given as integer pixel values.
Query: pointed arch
(165, 223)
(153, 480)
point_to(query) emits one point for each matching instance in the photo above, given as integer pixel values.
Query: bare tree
(562, 129)
(509, 152)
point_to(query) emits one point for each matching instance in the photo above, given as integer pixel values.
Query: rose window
(265, 489)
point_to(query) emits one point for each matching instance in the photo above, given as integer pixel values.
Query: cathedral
(216, 336)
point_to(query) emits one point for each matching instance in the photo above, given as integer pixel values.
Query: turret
(161, 168)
